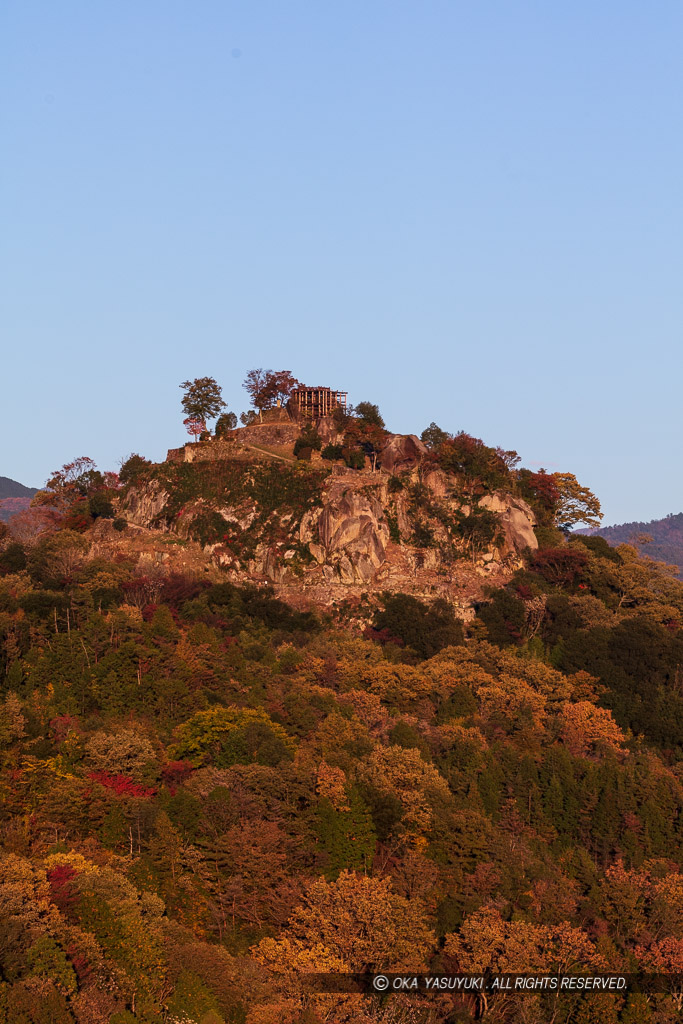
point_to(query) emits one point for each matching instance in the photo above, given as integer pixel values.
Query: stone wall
(207, 451)
(269, 434)
(175, 454)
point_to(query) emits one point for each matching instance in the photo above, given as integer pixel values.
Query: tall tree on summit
(202, 399)
(265, 387)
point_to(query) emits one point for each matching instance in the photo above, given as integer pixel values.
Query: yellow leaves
(487, 942)
(667, 902)
(367, 707)
(197, 653)
(284, 1011)
(24, 892)
(395, 684)
(403, 773)
(54, 765)
(127, 751)
(292, 955)
(643, 584)
(644, 901)
(576, 503)
(510, 702)
(12, 721)
(209, 734)
(75, 860)
(355, 923)
(128, 614)
(310, 670)
(100, 575)
(454, 732)
(442, 673)
(336, 737)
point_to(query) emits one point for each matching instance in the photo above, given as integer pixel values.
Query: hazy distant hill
(12, 489)
(667, 538)
(14, 497)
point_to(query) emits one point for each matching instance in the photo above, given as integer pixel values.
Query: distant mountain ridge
(14, 497)
(666, 544)
(13, 489)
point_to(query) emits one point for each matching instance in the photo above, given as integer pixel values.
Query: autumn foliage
(209, 796)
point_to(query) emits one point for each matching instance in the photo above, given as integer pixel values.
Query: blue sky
(466, 212)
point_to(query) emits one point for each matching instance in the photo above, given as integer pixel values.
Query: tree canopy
(265, 387)
(202, 399)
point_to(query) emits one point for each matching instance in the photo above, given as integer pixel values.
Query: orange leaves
(353, 924)
(663, 957)
(293, 955)
(368, 709)
(589, 731)
(331, 783)
(488, 942)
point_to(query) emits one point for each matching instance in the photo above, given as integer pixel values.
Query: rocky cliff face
(516, 519)
(144, 505)
(363, 532)
(406, 527)
(349, 535)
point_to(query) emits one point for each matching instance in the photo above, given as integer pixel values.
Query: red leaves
(471, 458)
(62, 891)
(62, 725)
(560, 566)
(264, 387)
(80, 963)
(544, 488)
(174, 774)
(142, 591)
(121, 784)
(194, 426)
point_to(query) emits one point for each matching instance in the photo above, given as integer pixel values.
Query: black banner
(492, 984)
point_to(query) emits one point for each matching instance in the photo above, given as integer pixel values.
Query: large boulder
(401, 451)
(350, 532)
(516, 519)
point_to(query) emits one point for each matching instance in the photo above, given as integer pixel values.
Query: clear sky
(465, 211)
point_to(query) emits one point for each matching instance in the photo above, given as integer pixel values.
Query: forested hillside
(209, 796)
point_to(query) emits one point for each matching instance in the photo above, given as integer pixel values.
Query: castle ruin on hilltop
(277, 427)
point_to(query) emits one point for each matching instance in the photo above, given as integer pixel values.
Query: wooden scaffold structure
(314, 403)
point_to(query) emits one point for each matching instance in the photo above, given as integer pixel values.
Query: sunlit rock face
(516, 518)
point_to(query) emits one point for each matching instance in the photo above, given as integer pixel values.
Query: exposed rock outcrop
(403, 527)
(516, 519)
(401, 452)
(145, 504)
(350, 533)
